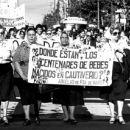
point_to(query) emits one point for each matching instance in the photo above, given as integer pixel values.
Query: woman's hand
(19, 70)
(24, 78)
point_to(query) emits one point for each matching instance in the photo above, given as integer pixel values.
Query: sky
(35, 10)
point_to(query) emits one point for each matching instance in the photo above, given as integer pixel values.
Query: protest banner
(13, 17)
(69, 66)
(6, 17)
(19, 20)
(7, 22)
(5, 13)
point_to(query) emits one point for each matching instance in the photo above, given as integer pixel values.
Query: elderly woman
(68, 96)
(6, 74)
(117, 91)
(28, 92)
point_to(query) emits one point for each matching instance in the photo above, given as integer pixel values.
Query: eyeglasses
(31, 34)
(64, 37)
(116, 33)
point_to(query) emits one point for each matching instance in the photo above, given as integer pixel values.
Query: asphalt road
(59, 125)
(93, 115)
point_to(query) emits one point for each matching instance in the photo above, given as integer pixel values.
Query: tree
(52, 18)
(75, 8)
(88, 8)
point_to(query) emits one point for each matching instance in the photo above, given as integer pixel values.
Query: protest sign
(13, 17)
(19, 20)
(70, 66)
(7, 22)
(5, 13)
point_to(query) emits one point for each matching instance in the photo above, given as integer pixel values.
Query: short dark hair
(39, 26)
(12, 29)
(31, 29)
(21, 31)
(115, 26)
(59, 28)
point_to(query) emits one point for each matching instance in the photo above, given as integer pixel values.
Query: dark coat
(126, 63)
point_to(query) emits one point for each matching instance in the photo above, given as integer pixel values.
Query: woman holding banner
(68, 96)
(6, 75)
(28, 92)
(117, 91)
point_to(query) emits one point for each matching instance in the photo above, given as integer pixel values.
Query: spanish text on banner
(70, 66)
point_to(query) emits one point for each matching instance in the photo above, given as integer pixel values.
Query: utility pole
(17, 2)
(98, 10)
(66, 8)
(125, 13)
(112, 13)
(54, 5)
(69, 6)
(79, 2)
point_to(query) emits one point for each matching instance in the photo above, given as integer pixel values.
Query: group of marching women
(14, 59)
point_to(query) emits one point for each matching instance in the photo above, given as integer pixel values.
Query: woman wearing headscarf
(68, 96)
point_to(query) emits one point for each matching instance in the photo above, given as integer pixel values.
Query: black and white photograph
(64, 64)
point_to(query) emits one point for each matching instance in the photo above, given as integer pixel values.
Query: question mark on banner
(100, 74)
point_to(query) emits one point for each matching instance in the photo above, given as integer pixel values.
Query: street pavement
(93, 115)
(59, 125)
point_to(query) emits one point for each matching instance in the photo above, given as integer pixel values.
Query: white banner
(6, 13)
(13, 17)
(20, 17)
(7, 22)
(70, 66)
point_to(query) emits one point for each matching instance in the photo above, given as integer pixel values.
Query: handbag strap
(115, 51)
(120, 62)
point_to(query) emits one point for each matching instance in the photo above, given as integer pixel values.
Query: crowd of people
(14, 60)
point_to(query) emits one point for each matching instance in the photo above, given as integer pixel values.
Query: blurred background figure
(22, 35)
(6, 75)
(39, 31)
(11, 33)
